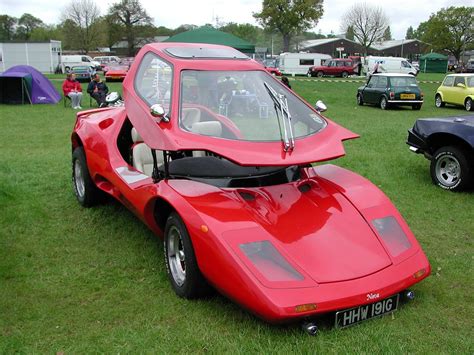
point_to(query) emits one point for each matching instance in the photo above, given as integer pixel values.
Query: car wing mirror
(461, 85)
(158, 111)
(320, 106)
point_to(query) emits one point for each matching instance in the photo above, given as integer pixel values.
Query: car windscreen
(403, 81)
(242, 105)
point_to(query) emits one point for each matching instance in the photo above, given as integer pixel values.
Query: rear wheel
(344, 74)
(468, 104)
(87, 193)
(383, 103)
(438, 101)
(181, 264)
(450, 168)
(360, 100)
(320, 74)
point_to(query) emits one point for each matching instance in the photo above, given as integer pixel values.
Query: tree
(245, 31)
(7, 27)
(135, 21)
(81, 18)
(47, 33)
(350, 33)
(369, 23)
(26, 24)
(450, 29)
(289, 17)
(410, 33)
(387, 35)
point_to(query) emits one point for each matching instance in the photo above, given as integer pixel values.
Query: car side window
(339, 64)
(372, 82)
(348, 64)
(153, 80)
(405, 64)
(85, 59)
(459, 80)
(448, 81)
(381, 82)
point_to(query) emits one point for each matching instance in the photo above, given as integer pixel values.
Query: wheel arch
(76, 141)
(438, 140)
(440, 94)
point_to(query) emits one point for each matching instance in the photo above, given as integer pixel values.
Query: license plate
(356, 315)
(407, 96)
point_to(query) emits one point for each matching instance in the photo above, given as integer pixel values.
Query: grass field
(77, 280)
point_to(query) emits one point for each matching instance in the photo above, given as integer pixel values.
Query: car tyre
(181, 264)
(86, 191)
(345, 74)
(468, 104)
(438, 101)
(360, 100)
(383, 103)
(319, 74)
(450, 169)
(416, 107)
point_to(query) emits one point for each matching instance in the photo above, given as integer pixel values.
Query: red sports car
(116, 72)
(215, 155)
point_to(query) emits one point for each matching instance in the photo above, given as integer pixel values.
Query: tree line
(283, 25)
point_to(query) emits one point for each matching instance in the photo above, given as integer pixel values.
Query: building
(405, 48)
(335, 47)
(43, 56)
(342, 47)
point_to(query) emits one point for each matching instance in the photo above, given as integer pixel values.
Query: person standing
(98, 90)
(73, 90)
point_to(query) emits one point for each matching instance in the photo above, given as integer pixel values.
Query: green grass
(93, 280)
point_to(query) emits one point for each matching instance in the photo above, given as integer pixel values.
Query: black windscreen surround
(205, 53)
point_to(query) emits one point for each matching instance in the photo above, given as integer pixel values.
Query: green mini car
(391, 89)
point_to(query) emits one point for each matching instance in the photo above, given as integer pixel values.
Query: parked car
(218, 163)
(83, 72)
(116, 72)
(387, 90)
(470, 66)
(334, 67)
(273, 71)
(448, 143)
(456, 89)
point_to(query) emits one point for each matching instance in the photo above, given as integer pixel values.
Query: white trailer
(389, 65)
(43, 56)
(299, 63)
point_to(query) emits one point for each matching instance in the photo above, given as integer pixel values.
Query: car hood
(316, 228)
(459, 125)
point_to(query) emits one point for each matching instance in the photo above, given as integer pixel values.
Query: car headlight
(392, 235)
(269, 262)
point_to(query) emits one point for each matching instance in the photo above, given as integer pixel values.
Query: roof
(461, 74)
(393, 74)
(320, 42)
(380, 46)
(207, 34)
(434, 56)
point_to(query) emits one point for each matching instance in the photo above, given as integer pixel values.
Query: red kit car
(116, 72)
(215, 155)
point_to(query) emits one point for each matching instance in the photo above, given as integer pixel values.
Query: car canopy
(24, 84)
(178, 61)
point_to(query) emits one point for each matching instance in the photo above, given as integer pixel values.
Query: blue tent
(24, 84)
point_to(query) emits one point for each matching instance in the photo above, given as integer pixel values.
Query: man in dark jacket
(98, 90)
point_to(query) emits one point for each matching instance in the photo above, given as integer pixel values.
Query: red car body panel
(322, 224)
(116, 72)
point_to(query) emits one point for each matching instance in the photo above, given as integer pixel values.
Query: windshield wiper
(281, 106)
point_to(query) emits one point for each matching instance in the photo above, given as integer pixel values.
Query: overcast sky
(172, 13)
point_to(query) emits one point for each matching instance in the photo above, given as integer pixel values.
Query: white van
(389, 65)
(69, 61)
(106, 59)
(299, 63)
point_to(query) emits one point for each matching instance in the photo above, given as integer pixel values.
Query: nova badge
(372, 296)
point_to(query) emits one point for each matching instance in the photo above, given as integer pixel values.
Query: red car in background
(215, 155)
(273, 71)
(334, 67)
(116, 72)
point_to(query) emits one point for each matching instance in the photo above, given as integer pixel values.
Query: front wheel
(383, 103)
(360, 100)
(87, 193)
(320, 74)
(438, 101)
(181, 264)
(468, 104)
(450, 169)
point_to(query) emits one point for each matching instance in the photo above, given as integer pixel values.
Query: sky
(171, 14)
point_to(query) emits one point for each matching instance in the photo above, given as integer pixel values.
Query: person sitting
(72, 89)
(98, 90)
